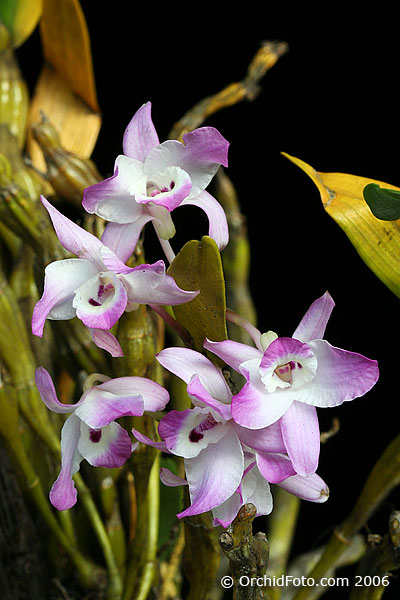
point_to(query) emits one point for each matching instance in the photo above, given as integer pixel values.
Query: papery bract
(97, 286)
(90, 431)
(287, 378)
(152, 179)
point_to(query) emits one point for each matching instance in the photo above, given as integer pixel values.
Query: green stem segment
(384, 477)
(281, 528)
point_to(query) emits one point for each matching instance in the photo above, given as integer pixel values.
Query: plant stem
(114, 582)
(149, 567)
(281, 528)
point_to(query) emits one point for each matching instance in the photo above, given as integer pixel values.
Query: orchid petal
(170, 479)
(253, 408)
(100, 407)
(113, 262)
(48, 393)
(274, 467)
(186, 363)
(203, 151)
(72, 237)
(218, 225)
(341, 376)
(257, 491)
(100, 301)
(253, 489)
(198, 391)
(113, 198)
(214, 475)
(300, 431)
(313, 324)
(63, 493)
(62, 277)
(311, 488)
(154, 396)
(267, 439)
(186, 433)
(227, 511)
(109, 446)
(146, 440)
(140, 135)
(106, 341)
(122, 238)
(233, 353)
(149, 284)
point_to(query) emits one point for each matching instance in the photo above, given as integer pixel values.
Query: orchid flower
(97, 286)
(254, 488)
(213, 446)
(287, 378)
(151, 179)
(90, 431)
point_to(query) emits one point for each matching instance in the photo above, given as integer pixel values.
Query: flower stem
(253, 332)
(169, 320)
(167, 248)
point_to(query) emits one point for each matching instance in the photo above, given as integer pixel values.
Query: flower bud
(14, 96)
(68, 173)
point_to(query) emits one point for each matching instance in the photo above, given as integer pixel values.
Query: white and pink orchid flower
(97, 286)
(213, 446)
(255, 489)
(90, 431)
(152, 179)
(287, 378)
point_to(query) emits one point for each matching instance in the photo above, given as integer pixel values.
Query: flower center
(153, 190)
(284, 372)
(104, 291)
(197, 432)
(95, 435)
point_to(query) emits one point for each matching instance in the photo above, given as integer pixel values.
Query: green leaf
(198, 267)
(384, 203)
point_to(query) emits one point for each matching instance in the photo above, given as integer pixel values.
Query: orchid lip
(196, 434)
(152, 189)
(95, 435)
(104, 291)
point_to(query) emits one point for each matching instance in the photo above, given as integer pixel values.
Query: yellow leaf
(65, 91)
(77, 125)
(376, 241)
(66, 46)
(198, 267)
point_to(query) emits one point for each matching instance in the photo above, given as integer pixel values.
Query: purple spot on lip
(208, 423)
(94, 302)
(95, 435)
(195, 436)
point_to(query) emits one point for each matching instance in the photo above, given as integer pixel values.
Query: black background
(332, 101)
